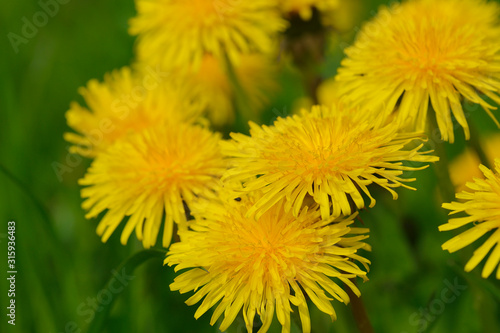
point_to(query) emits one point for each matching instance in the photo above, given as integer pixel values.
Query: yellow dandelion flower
(148, 176)
(267, 265)
(214, 91)
(482, 206)
(328, 154)
(345, 17)
(425, 50)
(176, 33)
(305, 7)
(126, 102)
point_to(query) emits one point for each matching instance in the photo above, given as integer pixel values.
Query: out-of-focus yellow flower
(143, 180)
(268, 265)
(482, 206)
(464, 169)
(213, 90)
(426, 52)
(177, 34)
(329, 153)
(126, 102)
(345, 16)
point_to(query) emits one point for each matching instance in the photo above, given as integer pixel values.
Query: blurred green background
(63, 267)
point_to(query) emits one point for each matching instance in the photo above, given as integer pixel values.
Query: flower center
(325, 148)
(204, 10)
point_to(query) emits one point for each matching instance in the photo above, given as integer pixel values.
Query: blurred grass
(63, 265)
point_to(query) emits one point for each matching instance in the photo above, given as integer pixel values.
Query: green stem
(312, 81)
(359, 311)
(128, 266)
(475, 144)
(441, 168)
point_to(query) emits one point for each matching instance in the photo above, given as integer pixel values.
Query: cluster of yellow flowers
(265, 222)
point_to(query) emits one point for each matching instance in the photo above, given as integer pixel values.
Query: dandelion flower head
(424, 53)
(146, 178)
(266, 265)
(327, 153)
